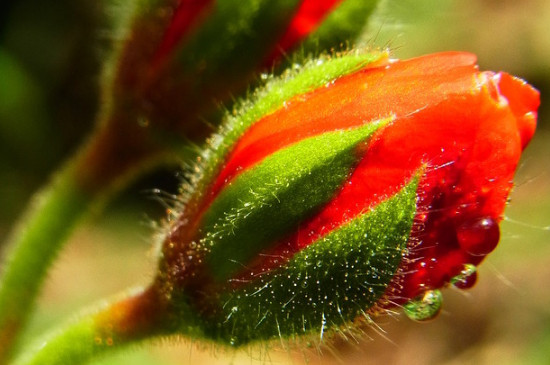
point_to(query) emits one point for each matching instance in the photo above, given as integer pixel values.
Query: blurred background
(50, 65)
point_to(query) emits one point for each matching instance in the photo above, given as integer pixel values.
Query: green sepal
(267, 201)
(266, 100)
(234, 40)
(328, 284)
(343, 25)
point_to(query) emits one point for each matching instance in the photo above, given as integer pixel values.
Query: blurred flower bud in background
(177, 59)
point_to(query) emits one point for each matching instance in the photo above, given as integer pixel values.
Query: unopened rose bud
(342, 192)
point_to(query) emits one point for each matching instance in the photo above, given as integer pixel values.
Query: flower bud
(354, 185)
(179, 57)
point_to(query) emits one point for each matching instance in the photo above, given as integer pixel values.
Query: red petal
(307, 18)
(523, 100)
(187, 15)
(464, 128)
(373, 93)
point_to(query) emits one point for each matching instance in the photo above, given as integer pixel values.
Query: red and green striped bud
(348, 187)
(178, 57)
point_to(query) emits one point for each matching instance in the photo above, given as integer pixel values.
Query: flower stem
(133, 318)
(116, 153)
(45, 227)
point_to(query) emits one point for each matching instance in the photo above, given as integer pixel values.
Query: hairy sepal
(267, 201)
(266, 100)
(330, 283)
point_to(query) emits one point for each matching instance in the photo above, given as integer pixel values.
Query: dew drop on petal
(425, 306)
(479, 236)
(467, 277)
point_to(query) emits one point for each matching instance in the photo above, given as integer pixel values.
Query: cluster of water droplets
(476, 238)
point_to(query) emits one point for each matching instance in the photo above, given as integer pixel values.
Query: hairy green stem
(118, 151)
(112, 327)
(44, 228)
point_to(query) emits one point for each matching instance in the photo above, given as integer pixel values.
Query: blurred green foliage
(50, 57)
(49, 62)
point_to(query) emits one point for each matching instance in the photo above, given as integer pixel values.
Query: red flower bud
(178, 57)
(342, 192)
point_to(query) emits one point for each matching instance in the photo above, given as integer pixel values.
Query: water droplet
(478, 236)
(233, 341)
(467, 277)
(424, 307)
